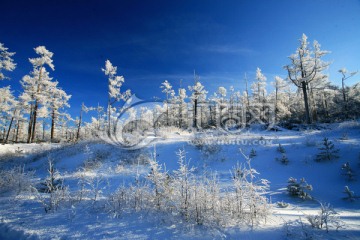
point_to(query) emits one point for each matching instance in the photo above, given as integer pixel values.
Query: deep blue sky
(151, 41)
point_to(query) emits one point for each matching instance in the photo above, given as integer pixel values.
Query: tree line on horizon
(306, 96)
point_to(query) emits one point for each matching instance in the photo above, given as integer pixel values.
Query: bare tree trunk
(79, 125)
(195, 114)
(34, 121)
(52, 125)
(30, 124)
(306, 103)
(8, 131)
(43, 133)
(344, 97)
(17, 131)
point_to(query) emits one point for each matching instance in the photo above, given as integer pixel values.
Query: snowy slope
(22, 216)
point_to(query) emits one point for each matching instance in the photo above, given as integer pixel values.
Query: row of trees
(306, 95)
(41, 98)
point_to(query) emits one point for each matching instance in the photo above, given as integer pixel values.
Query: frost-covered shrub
(327, 152)
(252, 153)
(53, 200)
(347, 171)
(207, 144)
(326, 218)
(284, 159)
(91, 160)
(138, 157)
(158, 178)
(299, 188)
(350, 195)
(282, 204)
(198, 141)
(209, 150)
(344, 136)
(52, 193)
(309, 141)
(15, 180)
(53, 181)
(281, 149)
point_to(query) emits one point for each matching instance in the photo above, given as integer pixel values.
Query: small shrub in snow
(95, 186)
(252, 153)
(299, 230)
(91, 161)
(282, 204)
(55, 192)
(347, 171)
(299, 188)
(210, 150)
(53, 181)
(19, 151)
(284, 160)
(344, 136)
(350, 195)
(52, 201)
(326, 218)
(281, 149)
(15, 180)
(309, 141)
(157, 177)
(328, 151)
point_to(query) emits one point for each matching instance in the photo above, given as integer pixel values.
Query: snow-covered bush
(53, 181)
(350, 195)
(297, 229)
(326, 218)
(282, 204)
(281, 149)
(91, 161)
(182, 184)
(327, 152)
(158, 178)
(53, 193)
(344, 136)
(299, 188)
(118, 201)
(284, 159)
(309, 141)
(95, 186)
(197, 199)
(348, 172)
(15, 180)
(53, 200)
(252, 153)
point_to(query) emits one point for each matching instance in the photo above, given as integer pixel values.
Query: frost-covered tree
(306, 67)
(259, 93)
(280, 99)
(327, 152)
(345, 76)
(182, 116)
(57, 100)
(114, 89)
(183, 182)
(170, 93)
(157, 177)
(220, 99)
(9, 110)
(299, 188)
(35, 87)
(198, 95)
(6, 61)
(246, 101)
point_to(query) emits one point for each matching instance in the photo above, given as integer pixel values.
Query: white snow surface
(23, 217)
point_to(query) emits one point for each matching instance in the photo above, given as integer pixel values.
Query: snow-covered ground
(22, 215)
